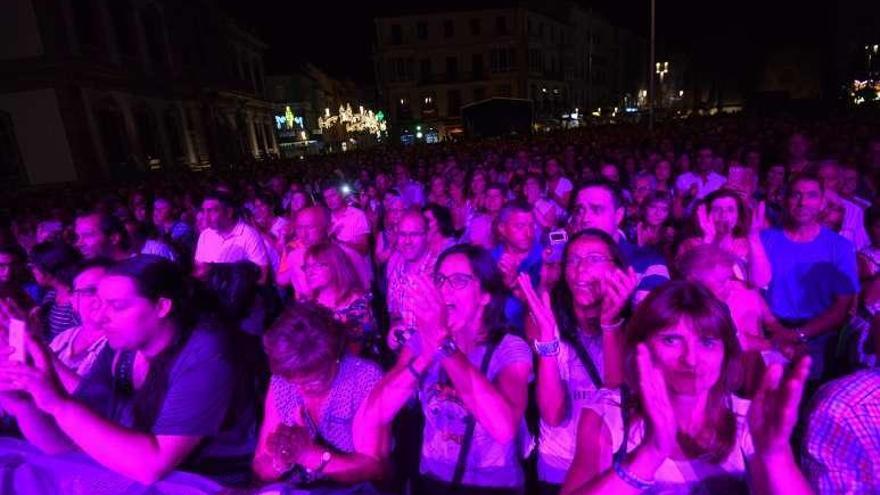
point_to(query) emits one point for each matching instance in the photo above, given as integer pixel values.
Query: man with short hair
(350, 229)
(703, 180)
(814, 280)
(517, 252)
(412, 192)
(227, 238)
(411, 258)
(599, 205)
(168, 223)
(310, 226)
(481, 227)
(101, 235)
(853, 222)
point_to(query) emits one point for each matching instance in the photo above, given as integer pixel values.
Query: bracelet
(412, 369)
(547, 349)
(613, 326)
(631, 479)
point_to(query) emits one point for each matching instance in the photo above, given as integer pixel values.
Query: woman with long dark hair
(166, 395)
(682, 430)
(471, 378)
(579, 347)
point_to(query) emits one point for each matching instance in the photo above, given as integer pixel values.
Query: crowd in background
(598, 310)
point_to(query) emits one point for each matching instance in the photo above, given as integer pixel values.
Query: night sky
(728, 38)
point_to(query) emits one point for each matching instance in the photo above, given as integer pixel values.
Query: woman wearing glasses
(471, 379)
(577, 342)
(77, 348)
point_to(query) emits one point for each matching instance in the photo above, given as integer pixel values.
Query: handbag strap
(586, 361)
(470, 425)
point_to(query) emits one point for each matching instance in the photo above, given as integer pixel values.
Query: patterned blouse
(353, 383)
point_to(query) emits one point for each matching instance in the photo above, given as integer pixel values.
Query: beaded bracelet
(612, 326)
(631, 479)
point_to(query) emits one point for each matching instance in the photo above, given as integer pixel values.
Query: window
(502, 59)
(123, 26)
(501, 25)
(84, 16)
(476, 27)
(396, 34)
(422, 30)
(448, 28)
(148, 133)
(400, 69)
(453, 103)
(111, 127)
(477, 65)
(174, 129)
(503, 90)
(479, 94)
(153, 27)
(10, 158)
(452, 68)
(536, 60)
(425, 69)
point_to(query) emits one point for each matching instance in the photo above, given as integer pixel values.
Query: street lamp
(662, 68)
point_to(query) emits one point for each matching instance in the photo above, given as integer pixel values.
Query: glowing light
(303, 135)
(419, 135)
(362, 121)
(288, 116)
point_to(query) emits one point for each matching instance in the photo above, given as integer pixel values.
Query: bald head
(311, 225)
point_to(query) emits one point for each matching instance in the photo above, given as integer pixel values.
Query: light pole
(651, 72)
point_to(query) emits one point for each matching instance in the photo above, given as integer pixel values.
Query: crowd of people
(591, 311)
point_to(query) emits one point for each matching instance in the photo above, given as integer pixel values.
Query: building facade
(97, 89)
(556, 54)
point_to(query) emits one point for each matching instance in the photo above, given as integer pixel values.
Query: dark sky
(724, 36)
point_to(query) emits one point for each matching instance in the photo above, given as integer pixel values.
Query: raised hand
(707, 226)
(660, 418)
(429, 311)
(544, 326)
(759, 219)
(39, 380)
(774, 410)
(617, 289)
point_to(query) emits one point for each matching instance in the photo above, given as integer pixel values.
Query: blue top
(648, 264)
(201, 400)
(514, 309)
(808, 276)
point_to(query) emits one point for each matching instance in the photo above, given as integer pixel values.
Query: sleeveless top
(692, 476)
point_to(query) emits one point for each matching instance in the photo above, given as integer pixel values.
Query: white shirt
(853, 228)
(242, 243)
(713, 182)
(349, 224)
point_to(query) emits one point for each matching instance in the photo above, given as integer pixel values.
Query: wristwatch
(448, 347)
(547, 349)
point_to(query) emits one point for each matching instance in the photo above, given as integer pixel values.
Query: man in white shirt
(853, 227)
(226, 238)
(703, 180)
(350, 229)
(558, 187)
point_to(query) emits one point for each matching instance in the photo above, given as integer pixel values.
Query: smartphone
(558, 237)
(16, 339)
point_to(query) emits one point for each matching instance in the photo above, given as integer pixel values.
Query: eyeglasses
(590, 260)
(313, 266)
(457, 281)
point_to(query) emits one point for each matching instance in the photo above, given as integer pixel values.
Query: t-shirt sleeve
(511, 350)
(848, 283)
(201, 255)
(200, 390)
(256, 250)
